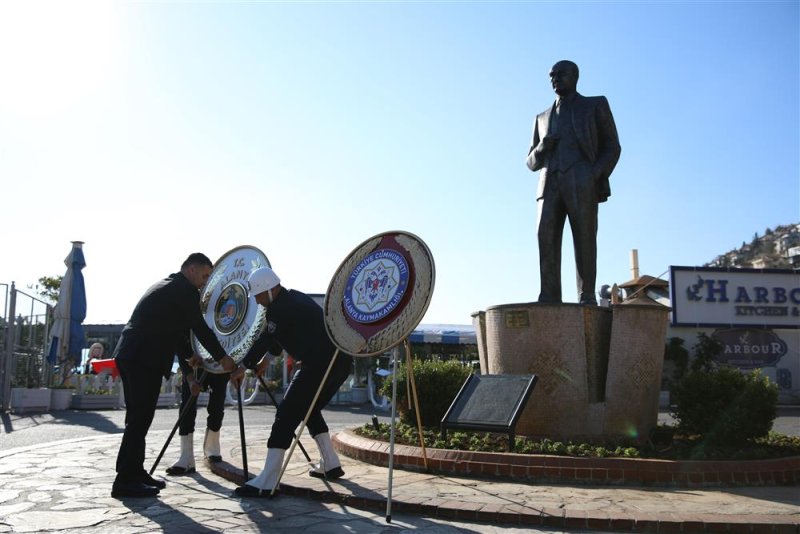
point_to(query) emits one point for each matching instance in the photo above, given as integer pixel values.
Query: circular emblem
(379, 293)
(376, 286)
(236, 319)
(231, 308)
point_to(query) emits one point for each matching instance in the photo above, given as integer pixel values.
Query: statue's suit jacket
(597, 136)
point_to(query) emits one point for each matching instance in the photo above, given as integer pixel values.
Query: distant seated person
(95, 353)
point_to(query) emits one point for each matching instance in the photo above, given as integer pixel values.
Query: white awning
(451, 334)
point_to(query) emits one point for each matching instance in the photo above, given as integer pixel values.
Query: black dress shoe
(176, 470)
(215, 459)
(332, 474)
(132, 489)
(147, 480)
(252, 491)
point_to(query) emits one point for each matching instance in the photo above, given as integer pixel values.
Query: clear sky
(150, 130)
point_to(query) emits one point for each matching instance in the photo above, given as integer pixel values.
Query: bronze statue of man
(575, 145)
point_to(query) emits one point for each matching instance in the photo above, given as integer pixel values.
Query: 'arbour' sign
(749, 348)
(766, 298)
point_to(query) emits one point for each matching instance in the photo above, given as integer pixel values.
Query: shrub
(97, 391)
(772, 446)
(438, 382)
(706, 351)
(725, 406)
(678, 358)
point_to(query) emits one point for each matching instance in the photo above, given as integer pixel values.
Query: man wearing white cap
(294, 323)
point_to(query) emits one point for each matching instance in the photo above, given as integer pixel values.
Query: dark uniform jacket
(159, 326)
(295, 323)
(597, 137)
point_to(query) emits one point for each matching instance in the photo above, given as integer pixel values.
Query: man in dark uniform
(575, 144)
(193, 382)
(294, 323)
(158, 330)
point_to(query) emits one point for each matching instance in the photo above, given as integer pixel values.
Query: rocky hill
(778, 248)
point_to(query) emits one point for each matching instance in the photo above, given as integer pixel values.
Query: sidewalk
(497, 501)
(65, 486)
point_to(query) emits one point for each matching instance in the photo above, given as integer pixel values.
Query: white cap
(262, 279)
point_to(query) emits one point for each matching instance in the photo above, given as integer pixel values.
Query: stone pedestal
(599, 368)
(479, 322)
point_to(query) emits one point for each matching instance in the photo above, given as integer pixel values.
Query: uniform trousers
(298, 396)
(141, 386)
(217, 384)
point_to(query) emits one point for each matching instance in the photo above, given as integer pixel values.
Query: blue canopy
(450, 334)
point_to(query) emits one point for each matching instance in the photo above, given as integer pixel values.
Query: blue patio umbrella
(67, 338)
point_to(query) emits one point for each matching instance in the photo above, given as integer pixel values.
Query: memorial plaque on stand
(489, 403)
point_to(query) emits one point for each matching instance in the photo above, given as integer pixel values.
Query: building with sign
(753, 313)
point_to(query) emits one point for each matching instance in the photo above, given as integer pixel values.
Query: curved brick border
(561, 469)
(450, 507)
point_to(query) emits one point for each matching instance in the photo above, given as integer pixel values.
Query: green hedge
(438, 382)
(725, 406)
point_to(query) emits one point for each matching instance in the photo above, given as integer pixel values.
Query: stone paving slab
(623, 508)
(65, 487)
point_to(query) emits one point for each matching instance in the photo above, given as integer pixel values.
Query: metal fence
(24, 329)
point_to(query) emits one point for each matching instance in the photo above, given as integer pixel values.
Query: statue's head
(564, 77)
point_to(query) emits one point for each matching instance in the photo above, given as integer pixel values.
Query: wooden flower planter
(25, 400)
(61, 399)
(95, 402)
(166, 400)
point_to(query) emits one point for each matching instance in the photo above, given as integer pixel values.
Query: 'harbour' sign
(763, 298)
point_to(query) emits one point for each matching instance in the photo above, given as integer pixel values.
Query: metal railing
(24, 331)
